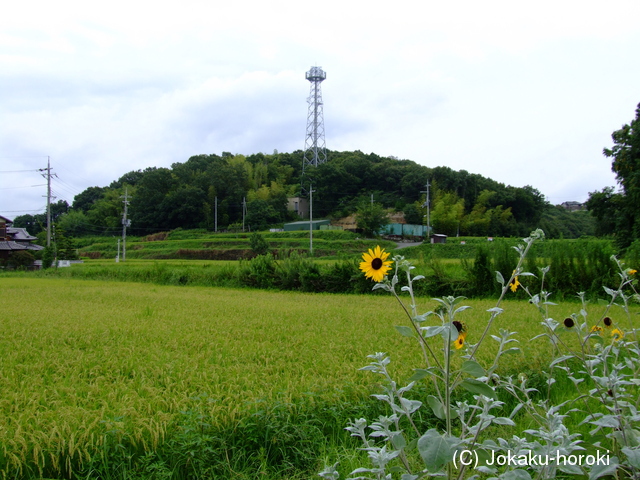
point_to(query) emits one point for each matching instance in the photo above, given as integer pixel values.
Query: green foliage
(260, 215)
(617, 213)
(259, 245)
(447, 213)
(632, 255)
(48, 256)
(608, 209)
(38, 223)
(20, 259)
(189, 194)
(370, 218)
(260, 272)
(412, 214)
(482, 273)
(65, 246)
(586, 357)
(558, 222)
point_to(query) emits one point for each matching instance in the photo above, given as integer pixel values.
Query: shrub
(20, 259)
(259, 245)
(47, 257)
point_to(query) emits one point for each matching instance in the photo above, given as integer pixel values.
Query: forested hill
(188, 194)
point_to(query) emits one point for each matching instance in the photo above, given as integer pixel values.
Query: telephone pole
(427, 204)
(244, 210)
(48, 176)
(311, 190)
(125, 223)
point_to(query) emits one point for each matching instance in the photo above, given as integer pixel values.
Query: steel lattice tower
(314, 146)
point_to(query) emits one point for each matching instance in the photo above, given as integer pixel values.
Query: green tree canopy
(625, 155)
(370, 218)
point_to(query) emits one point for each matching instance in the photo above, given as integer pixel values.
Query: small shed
(438, 238)
(304, 225)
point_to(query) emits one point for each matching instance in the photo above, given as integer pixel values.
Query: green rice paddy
(88, 367)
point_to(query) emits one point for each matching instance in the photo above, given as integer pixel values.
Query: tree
(20, 259)
(85, 200)
(370, 218)
(606, 207)
(33, 223)
(48, 256)
(447, 213)
(106, 213)
(626, 165)
(151, 191)
(64, 246)
(260, 214)
(259, 245)
(412, 214)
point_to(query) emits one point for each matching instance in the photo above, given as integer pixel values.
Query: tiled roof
(10, 245)
(20, 234)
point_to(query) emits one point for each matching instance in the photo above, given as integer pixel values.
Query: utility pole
(49, 197)
(311, 190)
(215, 222)
(125, 223)
(427, 204)
(244, 210)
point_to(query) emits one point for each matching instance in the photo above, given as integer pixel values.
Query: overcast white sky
(526, 93)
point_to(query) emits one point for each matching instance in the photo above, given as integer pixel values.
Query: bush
(20, 259)
(481, 275)
(47, 257)
(259, 245)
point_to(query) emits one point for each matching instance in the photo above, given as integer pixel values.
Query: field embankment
(461, 267)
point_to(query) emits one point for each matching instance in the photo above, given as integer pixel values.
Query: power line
(26, 186)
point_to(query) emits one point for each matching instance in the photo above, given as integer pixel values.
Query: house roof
(6, 220)
(20, 234)
(11, 245)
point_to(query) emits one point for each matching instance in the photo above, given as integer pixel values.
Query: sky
(525, 93)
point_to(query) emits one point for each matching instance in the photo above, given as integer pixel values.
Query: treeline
(230, 191)
(616, 212)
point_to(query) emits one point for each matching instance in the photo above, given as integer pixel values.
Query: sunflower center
(376, 263)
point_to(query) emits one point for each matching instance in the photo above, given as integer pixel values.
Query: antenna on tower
(314, 146)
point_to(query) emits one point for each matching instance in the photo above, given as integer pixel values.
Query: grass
(204, 245)
(123, 377)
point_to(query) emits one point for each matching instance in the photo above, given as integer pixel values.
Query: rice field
(89, 366)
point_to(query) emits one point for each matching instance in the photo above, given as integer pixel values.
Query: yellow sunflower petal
(374, 264)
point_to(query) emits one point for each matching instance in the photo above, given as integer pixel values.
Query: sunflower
(569, 323)
(632, 271)
(375, 264)
(617, 334)
(514, 283)
(459, 343)
(607, 322)
(596, 329)
(462, 334)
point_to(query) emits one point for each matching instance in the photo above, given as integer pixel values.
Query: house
(573, 206)
(14, 239)
(299, 205)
